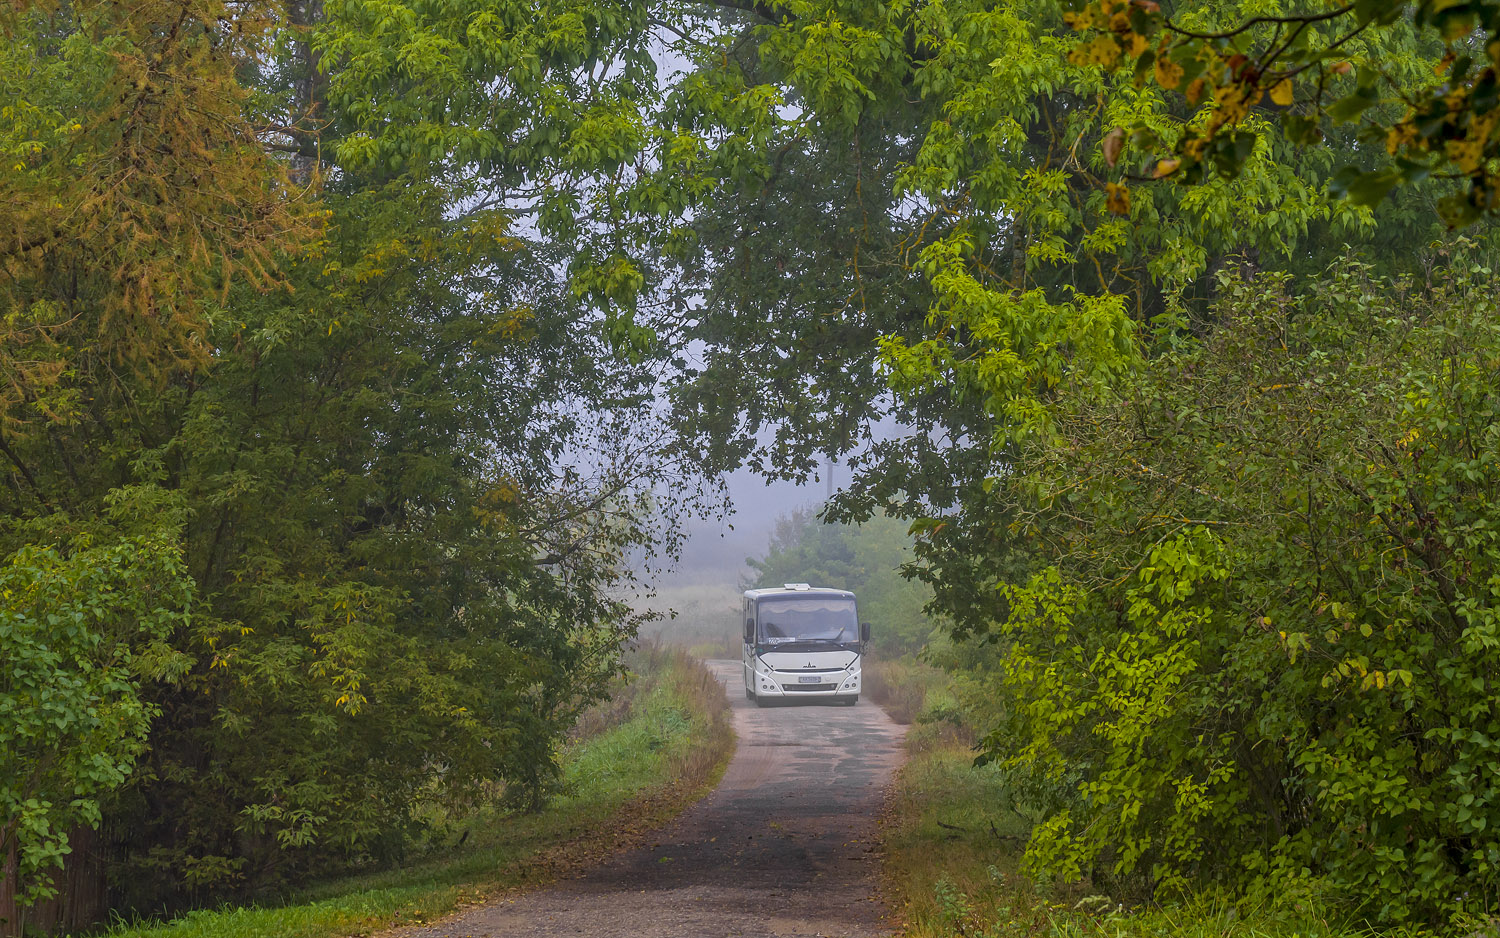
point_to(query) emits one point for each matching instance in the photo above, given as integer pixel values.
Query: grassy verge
(902, 687)
(953, 851)
(636, 769)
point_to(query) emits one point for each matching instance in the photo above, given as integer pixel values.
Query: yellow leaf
(1400, 135)
(1114, 142)
(1168, 73)
(1281, 92)
(1101, 50)
(1083, 20)
(1466, 154)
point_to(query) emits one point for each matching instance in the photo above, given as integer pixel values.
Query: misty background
(699, 596)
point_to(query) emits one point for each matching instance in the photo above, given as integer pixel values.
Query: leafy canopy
(1308, 66)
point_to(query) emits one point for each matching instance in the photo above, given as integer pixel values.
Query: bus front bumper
(790, 684)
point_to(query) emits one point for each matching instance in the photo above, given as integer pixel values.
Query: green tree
(405, 584)
(411, 460)
(1054, 295)
(526, 228)
(82, 625)
(984, 220)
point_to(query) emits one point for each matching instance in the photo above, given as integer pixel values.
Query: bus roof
(797, 589)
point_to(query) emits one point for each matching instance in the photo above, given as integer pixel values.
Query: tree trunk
(311, 87)
(10, 912)
(81, 899)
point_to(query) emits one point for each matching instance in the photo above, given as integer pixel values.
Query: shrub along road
(785, 846)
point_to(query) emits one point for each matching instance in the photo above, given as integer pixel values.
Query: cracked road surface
(785, 846)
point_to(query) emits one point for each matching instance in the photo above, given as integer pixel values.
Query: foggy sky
(715, 553)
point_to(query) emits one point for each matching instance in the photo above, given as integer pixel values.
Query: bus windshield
(807, 619)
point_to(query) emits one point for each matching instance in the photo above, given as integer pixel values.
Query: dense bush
(81, 624)
(1262, 641)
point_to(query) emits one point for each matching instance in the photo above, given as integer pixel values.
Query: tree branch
(1259, 20)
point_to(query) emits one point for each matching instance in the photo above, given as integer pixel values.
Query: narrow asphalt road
(783, 847)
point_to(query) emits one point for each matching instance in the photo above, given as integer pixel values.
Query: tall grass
(632, 769)
(901, 686)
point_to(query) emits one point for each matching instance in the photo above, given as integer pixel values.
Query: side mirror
(864, 632)
(749, 631)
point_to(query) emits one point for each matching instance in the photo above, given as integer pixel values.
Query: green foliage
(398, 571)
(1068, 325)
(870, 560)
(848, 200)
(953, 158)
(1261, 636)
(954, 858)
(403, 566)
(799, 254)
(82, 624)
(1358, 64)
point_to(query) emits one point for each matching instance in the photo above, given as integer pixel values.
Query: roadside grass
(902, 686)
(953, 850)
(636, 770)
(944, 847)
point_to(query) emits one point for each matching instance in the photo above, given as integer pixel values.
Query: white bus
(802, 643)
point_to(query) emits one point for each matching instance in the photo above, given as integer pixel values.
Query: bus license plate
(810, 679)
